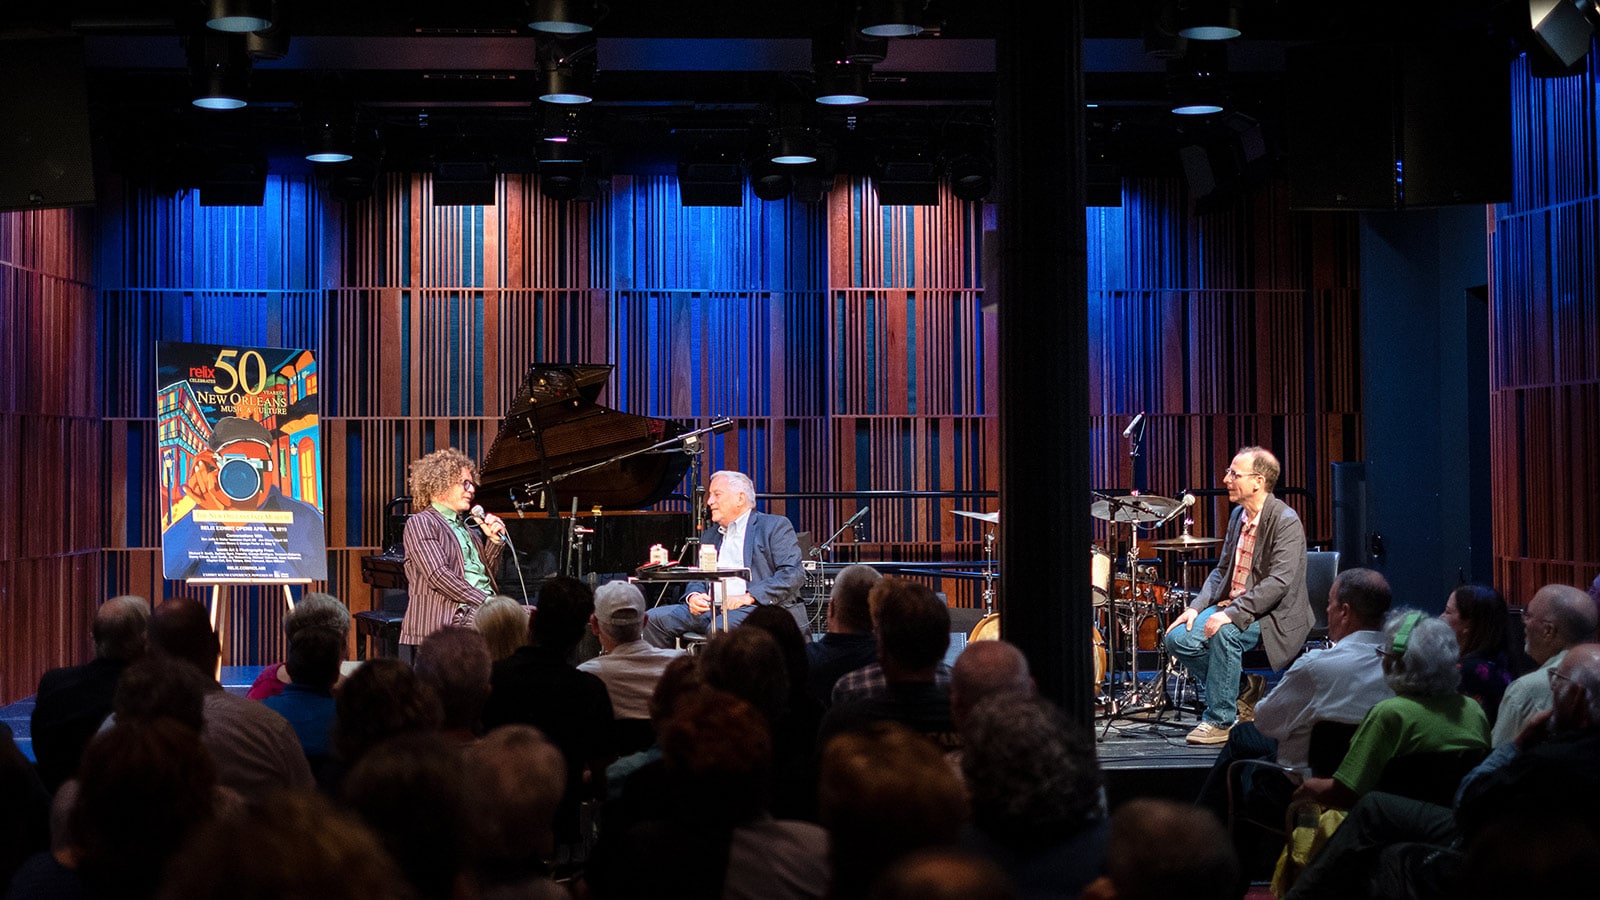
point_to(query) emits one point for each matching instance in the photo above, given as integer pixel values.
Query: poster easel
(219, 609)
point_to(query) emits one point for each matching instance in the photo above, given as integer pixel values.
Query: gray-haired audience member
(72, 701)
(943, 873)
(1558, 617)
(1160, 849)
(315, 610)
(1036, 790)
(849, 644)
(1426, 715)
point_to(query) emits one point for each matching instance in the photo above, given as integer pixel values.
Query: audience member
(681, 678)
(1557, 617)
(884, 793)
(794, 735)
(254, 748)
(1037, 794)
(1338, 684)
(629, 665)
(315, 610)
(291, 844)
(307, 700)
(1416, 848)
(72, 701)
(454, 661)
(848, 644)
(381, 699)
(1426, 715)
(869, 681)
(984, 669)
(24, 808)
(943, 873)
(504, 625)
(714, 837)
(411, 790)
(515, 779)
(539, 686)
(142, 788)
(1477, 614)
(159, 686)
(1160, 849)
(913, 629)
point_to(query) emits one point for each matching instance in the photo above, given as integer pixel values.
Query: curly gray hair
(1426, 667)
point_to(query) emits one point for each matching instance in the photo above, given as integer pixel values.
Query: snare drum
(1150, 590)
(1099, 574)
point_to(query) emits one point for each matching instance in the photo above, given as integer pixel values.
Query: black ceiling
(436, 80)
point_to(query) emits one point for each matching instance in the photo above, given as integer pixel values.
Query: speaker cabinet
(45, 152)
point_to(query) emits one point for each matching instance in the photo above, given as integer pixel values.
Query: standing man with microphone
(451, 547)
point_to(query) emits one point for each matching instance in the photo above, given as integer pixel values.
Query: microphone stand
(819, 553)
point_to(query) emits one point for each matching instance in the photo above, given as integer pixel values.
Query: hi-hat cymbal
(1185, 542)
(982, 517)
(1135, 508)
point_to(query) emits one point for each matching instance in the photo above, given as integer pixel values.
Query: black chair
(1429, 777)
(1258, 837)
(380, 628)
(1321, 568)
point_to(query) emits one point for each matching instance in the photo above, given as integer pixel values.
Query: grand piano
(571, 479)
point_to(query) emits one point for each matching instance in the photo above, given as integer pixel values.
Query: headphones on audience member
(1403, 637)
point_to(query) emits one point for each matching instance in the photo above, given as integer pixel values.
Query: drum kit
(1132, 604)
(1133, 607)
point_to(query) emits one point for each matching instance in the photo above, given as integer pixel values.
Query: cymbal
(982, 517)
(1185, 542)
(1135, 508)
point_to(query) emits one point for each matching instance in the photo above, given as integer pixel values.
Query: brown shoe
(1207, 733)
(1254, 687)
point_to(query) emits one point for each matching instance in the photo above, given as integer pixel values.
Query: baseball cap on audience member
(618, 603)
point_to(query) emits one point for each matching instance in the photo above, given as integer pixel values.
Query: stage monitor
(45, 156)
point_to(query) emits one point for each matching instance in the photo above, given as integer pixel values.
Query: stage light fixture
(971, 176)
(330, 130)
(892, 18)
(842, 83)
(770, 181)
(793, 147)
(566, 70)
(219, 67)
(1208, 20)
(561, 16)
(1562, 28)
(1196, 82)
(239, 16)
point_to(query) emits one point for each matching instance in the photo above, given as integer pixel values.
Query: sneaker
(1254, 687)
(1207, 733)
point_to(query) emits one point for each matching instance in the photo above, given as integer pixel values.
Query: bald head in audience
(943, 873)
(1559, 616)
(986, 668)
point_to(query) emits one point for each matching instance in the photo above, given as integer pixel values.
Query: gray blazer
(1275, 591)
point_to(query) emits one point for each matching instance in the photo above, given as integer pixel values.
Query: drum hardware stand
(1134, 694)
(988, 572)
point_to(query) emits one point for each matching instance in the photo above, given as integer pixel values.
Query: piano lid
(558, 445)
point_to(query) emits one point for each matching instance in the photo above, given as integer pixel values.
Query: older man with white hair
(1557, 618)
(765, 544)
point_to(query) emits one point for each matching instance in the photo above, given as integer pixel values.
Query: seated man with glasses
(1255, 595)
(449, 566)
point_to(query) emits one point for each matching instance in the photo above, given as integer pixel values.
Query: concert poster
(240, 450)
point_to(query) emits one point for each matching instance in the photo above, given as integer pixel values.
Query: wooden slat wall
(848, 341)
(1544, 413)
(1231, 328)
(50, 444)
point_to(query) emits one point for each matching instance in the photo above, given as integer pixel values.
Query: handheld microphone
(1188, 499)
(475, 515)
(1126, 432)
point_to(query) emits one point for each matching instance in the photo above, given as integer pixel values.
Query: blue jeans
(1215, 663)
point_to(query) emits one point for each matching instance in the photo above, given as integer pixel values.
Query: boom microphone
(1134, 424)
(860, 514)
